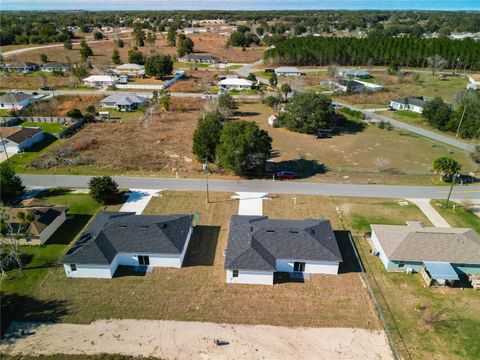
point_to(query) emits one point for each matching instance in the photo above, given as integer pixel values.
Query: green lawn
(263, 74)
(458, 217)
(20, 160)
(183, 65)
(52, 128)
(243, 92)
(18, 288)
(4, 112)
(234, 67)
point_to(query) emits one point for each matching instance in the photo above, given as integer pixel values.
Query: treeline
(40, 27)
(348, 51)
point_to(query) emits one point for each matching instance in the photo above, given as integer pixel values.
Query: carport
(441, 272)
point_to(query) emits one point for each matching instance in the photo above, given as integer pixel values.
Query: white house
(115, 239)
(22, 66)
(131, 70)
(235, 84)
(474, 80)
(15, 100)
(415, 247)
(415, 104)
(287, 71)
(123, 102)
(55, 67)
(100, 80)
(258, 247)
(46, 219)
(351, 86)
(354, 73)
(17, 139)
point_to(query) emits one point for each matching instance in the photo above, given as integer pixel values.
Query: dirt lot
(211, 43)
(195, 81)
(35, 80)
(198, 291)
(371, 153)
(162, 143)
(60, 105)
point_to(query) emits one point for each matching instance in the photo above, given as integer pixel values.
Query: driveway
(250, 203)
(430, 212)
(138, 200)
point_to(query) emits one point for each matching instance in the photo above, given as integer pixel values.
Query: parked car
(46, 88)
(285, 175)
(323, 134)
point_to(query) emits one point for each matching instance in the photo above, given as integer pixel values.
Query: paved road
(415, 129)
(249, 68)
(267, 186)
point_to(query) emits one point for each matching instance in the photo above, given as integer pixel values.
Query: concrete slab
(138, 200)
(435, 218)
(250, 203)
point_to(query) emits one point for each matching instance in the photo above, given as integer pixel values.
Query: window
(143, 260)
(73, 267)
(401, 266)
(235, 273)
(299, 266)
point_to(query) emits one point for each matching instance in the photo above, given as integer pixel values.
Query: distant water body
(239, 4)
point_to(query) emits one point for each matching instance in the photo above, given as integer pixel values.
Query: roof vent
(251, 228)
(270, 231)
(143, 226)
(122, 226)
(293, 231)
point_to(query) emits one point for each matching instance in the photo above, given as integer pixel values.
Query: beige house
(46, 220)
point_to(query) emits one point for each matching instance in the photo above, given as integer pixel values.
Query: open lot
(412, 84)
(369, 154)
(198, 291)
(60, 105)
(35, 80)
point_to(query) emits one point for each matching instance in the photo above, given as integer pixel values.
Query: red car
(285, 175)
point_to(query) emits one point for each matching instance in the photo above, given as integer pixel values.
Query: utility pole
(205, 169)
(461, 119)
(4, 147)
(454, 178)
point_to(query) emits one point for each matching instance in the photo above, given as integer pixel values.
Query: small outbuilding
(272, 120)
(287, 71)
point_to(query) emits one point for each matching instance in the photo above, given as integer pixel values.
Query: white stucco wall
(416, 109)
(91, 271)
(378, 247)
(187, 243)
(250, 277)
(45, 235)
(311, 267)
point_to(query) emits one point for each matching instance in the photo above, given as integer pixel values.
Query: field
(369, 154)
(198, 291)
(419, 84)
(161, 143)
(60, 105)
(35, 80)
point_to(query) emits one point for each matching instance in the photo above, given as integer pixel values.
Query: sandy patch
(195, 340)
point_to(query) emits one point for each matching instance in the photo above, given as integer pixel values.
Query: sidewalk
(250, 203)
(435, 218)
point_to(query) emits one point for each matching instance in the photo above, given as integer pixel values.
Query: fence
(12, 121)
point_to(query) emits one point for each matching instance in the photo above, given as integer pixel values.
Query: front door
(143, 260)
(299, 266)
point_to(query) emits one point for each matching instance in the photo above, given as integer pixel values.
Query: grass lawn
(362, 155)
(52, 128)
(263, 74)
(18, 289)
(4, 112)
(243, 92)
(198, 291)
(458, 217)
(21, 160)
(127, 117)
(234, 67)
(190, 65)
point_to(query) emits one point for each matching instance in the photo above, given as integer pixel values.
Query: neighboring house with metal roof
(22, 66)
(415, 104)
(415, 246)
(17, 139)
(354, 73)
(287, 71)
(15, 100)
(46, 219)
(199, 58)
(123, 102)
(235, 84)
(130, 70)
(115, 239)
(258, 247)
(55, 67)
(100, 80)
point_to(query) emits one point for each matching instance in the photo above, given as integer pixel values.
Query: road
(267, 186)
(414, 129)
(249, 68)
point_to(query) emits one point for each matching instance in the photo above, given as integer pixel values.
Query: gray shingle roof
(124, 99)
(418, 243)
(123, 232)
(255, 242)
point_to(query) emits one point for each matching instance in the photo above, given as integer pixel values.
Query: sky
(238, 4)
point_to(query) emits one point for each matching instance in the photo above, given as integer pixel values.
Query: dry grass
(375, 154)
(198, 292)
(35, 80)
(60, 105)
(162, 143)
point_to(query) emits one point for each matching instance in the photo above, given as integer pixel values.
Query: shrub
(103, 189)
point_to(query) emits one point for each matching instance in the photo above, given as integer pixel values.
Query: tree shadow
(48, 139)
(350, 263)
(15, 307)
(345, 127)
(202, 247)
(304, 168)
(58, 191)
(246, 113)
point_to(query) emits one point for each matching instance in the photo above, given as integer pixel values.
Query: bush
(74, 113)
(271, 101)
(103, 189)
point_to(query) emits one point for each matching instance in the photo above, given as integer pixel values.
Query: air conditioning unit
(409, 270)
